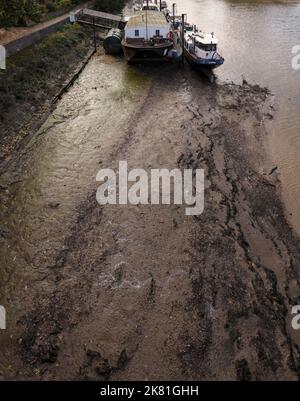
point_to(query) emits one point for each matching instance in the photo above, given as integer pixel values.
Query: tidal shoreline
(145, 292)
(33, 78)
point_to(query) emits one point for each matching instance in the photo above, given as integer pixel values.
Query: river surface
(256, 39)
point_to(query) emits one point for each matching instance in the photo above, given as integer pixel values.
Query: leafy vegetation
(20, 12)
(28, 71)
(112, 6)
(35, 75)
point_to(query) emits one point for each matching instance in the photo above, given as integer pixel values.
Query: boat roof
(154, 19)
(202, 37)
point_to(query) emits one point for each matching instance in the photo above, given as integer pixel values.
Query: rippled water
(256, 39)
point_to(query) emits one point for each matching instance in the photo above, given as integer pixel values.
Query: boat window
(211, 47)
(157, 32)
(200, 45)
(137, 33)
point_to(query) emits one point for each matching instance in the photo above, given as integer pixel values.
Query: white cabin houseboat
(147, 35)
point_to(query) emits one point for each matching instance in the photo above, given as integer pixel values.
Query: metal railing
(150, 42)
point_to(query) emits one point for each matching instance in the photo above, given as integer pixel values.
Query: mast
(174, 5)
(182, 37)
(147, 20)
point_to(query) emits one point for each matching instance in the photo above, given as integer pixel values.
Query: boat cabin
(201, 44)
(150, 6)
(147, 26)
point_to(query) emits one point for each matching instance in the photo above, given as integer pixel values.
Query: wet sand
(145, 292)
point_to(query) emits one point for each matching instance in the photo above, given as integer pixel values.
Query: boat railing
(216, 56)
(150, 42)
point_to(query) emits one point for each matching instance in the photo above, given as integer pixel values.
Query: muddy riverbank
(33, 78)
(145, 292)
(238, 24)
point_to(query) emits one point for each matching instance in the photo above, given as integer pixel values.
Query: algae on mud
(145, 292)
(33, 77)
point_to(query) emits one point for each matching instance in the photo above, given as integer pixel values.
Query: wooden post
(174, 4)
(147, 38)
(95, 39)
(182, 37)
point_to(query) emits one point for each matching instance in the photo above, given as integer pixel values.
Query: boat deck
(142, 43)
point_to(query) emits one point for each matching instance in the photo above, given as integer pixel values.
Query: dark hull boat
(201, 49)
(147, 36)
(202, 64)
(142, 51)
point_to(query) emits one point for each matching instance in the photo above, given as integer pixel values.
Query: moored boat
(201, 49)
(147, 35)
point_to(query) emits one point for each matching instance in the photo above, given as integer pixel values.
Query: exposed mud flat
(146, 292)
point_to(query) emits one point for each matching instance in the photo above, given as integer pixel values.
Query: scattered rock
(53, 205)
(242, 370)
(273, 170)
(95, 366)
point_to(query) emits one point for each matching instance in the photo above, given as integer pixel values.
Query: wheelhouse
(199, 42)
(150, 6)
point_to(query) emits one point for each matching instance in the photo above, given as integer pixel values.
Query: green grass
(29, 71)
(35, 75)
(24, 12)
